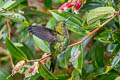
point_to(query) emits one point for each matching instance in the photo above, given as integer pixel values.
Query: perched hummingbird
(57, 38)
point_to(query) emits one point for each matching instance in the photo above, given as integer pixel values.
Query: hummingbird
(57, 38)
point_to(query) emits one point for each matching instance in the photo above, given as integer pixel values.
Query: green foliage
(77, 63)
(45, 73)
(99, 55)
(4, 74)
(5, 4)
(16, 17)
(41, 44)
(48, 3)
(16, 52)
(99, 13)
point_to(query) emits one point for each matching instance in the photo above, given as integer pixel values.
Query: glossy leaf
(17, 2)
(90, 27)
(4, 74)
(105, 37)
(4, 4)
(75, 75)
(51, 24)
(99, 13)
(78, 61)
(116, 36)
(116, 49)
(63, 59)
(16, 17)
(90, 5)
(117, 57)
(99, 54)
(45, 73)
(27, 51)
(41, 44)
(63, 76)
(16, 52)
(109, 76)
(74, 51)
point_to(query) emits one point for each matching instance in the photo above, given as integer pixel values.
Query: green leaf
(116, 49)
(91, 75)
(74, 51)
(41, 44)
(73, 24)
(4, 74)
(63, 59)
(117, 56)
(77, 63)
(90, 5)
(99, 53)
(99, 13)
(116, 59)
(51, 23)
(62, 76)
(27, 51)
(45, 73)
(16, 52)
(17, 2)
(47, 3)
(90, 27)
(109, 76)
(16, 17)
(4, 4)
(75, 75)
(116, 36)
(105, 37)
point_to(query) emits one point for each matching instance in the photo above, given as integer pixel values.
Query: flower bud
(18, 66)
(62, 8)
(32, 70)
(70, 3)
(78, 6)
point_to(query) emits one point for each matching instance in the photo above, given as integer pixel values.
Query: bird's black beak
(69, 17)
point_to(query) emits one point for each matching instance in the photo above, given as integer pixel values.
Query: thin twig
(9, 30)
(36, 60)
(93, 31)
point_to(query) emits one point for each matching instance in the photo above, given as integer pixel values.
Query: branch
(94, 30)
(9, 30)
(37, 60)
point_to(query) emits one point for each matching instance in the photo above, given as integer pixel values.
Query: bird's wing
(43, 33)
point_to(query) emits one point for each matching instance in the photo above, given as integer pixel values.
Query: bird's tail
(53, 63)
